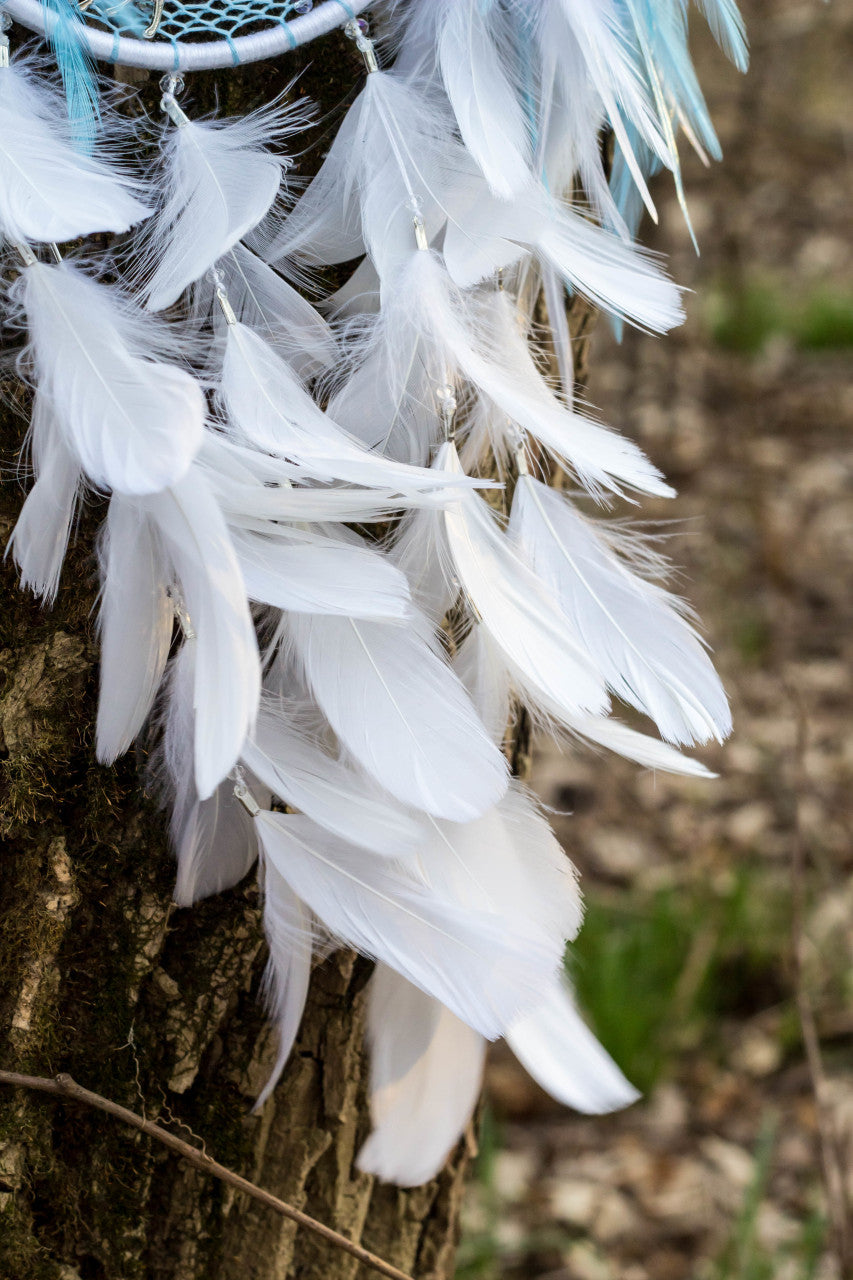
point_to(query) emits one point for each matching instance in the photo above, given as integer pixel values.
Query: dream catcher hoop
(197, 37)
(245, 441)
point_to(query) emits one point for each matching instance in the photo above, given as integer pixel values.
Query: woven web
(196, 20)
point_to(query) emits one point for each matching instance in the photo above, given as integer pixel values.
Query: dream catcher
(243, 437)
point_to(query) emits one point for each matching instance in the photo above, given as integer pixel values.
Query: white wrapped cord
(161, 55)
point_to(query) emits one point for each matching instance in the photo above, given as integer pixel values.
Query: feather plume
(400, 711)
(134, 423)
(135, 626)
(48, 190)
(631, 629)
(219, 181)
(461, 957)
(426, 1068)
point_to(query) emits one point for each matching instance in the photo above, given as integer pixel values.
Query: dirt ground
(686, 966)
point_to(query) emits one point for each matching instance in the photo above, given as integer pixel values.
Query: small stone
(586, 1263)
(749, 822)
(615, 1219)
(757, 1053)
(620, 853)
(574, 1202)
(514, 1172)
(737, 1165)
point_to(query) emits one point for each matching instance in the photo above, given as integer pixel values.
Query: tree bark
(101, 976)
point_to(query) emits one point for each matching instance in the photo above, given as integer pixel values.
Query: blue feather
(77, 70)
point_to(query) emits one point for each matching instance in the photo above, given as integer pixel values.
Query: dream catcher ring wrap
(182, 40)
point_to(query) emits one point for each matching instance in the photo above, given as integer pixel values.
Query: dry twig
(63, 1086)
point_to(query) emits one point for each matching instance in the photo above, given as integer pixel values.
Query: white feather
(615, 276)
(218, 182)
(265, 403)
(135, 627)
(461, 957)
(557, 1048)
(215, 844)
(48, 190)
(482, 671)
(288, 925)
(40, 536)
(632, 630)
(510, 862)
(300, 772)
(400, 712)
(538, 648)
(266, 302)
(472, 56)
(134, 423)
(426, 1069)
(311, 572)
(226, 680)
(214, 839)
(615, 736)
(389, 157)
(509, 378)
(611, 67)
(430, 332)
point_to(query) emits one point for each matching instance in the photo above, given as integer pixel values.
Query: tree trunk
(103, 977)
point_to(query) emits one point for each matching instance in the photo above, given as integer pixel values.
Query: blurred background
(716, 961)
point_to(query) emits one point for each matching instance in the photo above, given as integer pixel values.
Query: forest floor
(685, 964)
